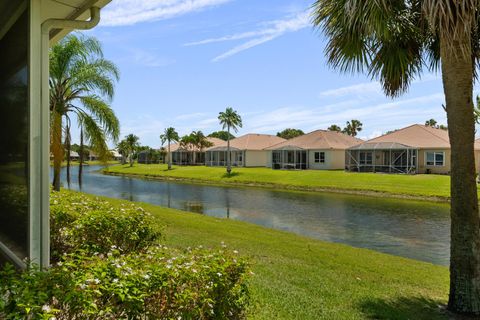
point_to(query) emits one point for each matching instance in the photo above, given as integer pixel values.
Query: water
(413, 229)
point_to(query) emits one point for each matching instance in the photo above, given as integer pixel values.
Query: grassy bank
(432, 187)
(300, 278)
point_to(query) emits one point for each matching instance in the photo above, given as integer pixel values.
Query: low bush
(114, 268)
(93, 225)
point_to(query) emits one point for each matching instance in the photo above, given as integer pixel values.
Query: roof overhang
(70, 10)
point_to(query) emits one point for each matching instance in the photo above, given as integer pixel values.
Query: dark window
(319, 157)
(14, 126)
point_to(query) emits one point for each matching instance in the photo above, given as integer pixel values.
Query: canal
(413, 229)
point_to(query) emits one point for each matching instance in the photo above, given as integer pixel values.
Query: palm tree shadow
(418, 308)
(230, 175)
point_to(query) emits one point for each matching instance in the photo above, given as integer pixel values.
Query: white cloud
(129, 12)
(270, 31)
(361, 88)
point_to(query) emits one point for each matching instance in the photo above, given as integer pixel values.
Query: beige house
(414, 149)
(191, 155)
(246, 151)
(319, 150)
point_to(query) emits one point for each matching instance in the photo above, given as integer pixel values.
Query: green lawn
(422, 185)
(299, 278)
(88, 163)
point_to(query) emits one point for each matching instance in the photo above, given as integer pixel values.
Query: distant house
(116, 155)
(320, 150)
(414, 149)
(246, 151)
(74, 156)
(93, 156)
(191, 155)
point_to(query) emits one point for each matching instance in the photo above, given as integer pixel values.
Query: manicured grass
(422, 185)
(300, 278)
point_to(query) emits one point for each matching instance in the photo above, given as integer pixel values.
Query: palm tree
(122, 148)
(131, 143)
(81, 84)
(353, 128)
(394, 41)
(335, 128)
(230, 119)
(200, 141)
(169, 135)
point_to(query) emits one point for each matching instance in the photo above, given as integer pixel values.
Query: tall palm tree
(81, 85)
(230, 119)
(131, 143)
(353, 128)
(169, 135)
(394, 41)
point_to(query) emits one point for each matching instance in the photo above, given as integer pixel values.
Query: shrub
(109, 265)
(161, 283)
(93, 225)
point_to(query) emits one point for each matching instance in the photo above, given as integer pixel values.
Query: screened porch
(218, 157)
(295, 159)
(188, 158)
(382, 157)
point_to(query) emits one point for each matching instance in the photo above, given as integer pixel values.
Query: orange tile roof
(418, 136)
(176, 146)
(319, 139)
(251, 141)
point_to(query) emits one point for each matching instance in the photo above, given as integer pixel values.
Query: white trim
(434, 158)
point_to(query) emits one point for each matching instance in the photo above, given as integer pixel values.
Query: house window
(436, 159)
(366, 158)
(319, 157)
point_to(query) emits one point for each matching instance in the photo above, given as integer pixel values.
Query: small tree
(132, 145)
(335, 128)
(223, 135)
(290, 133)
(230, 119)
(169, 135)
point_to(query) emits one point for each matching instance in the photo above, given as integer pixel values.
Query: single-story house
(190, 154)
(74, 156)
(116, 155)
(320, 150)
(246, 151)
(414, 149)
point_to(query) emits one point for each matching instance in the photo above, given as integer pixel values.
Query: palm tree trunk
(229, 156)
(80, 166)
(69, 149)
(57, 149)
(169, 157)
(465, 220)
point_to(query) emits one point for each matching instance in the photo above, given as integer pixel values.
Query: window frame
(319, 157)
(434, 163)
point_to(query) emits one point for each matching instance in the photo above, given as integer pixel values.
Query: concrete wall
(334, 160)
(260, 158)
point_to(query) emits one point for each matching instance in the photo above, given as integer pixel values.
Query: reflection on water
(417, 230)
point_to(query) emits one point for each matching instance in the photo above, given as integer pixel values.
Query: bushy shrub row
(114, 268)
(78, 222)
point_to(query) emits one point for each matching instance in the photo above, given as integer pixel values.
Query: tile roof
(176, 146)
(251, 141)
(319, 139)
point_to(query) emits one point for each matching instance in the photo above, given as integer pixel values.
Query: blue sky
(183, 61)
